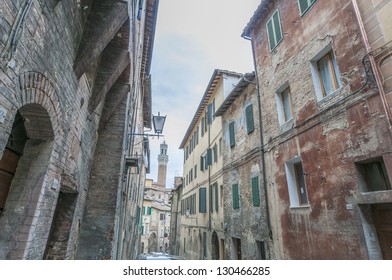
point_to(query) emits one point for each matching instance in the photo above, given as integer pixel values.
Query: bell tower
(163, 158)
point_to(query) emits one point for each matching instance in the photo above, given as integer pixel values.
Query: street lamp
(158, 123)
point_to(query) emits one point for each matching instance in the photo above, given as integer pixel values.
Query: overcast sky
(192, 39)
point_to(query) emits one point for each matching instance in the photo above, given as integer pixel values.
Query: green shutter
(274, 29)
(138, 217)
(278, 27)
(202, 200)
(255, 191)
(271, 34)
(209, 113)
(201, 163)
(204, 244)
(231, 133)
(250, 125)
(209, 156)
(236, 197)
(211, 206)
(303, 6)
(202, 126)
(149, 211)
(216, 196)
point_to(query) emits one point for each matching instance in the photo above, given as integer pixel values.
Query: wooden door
(7, 170)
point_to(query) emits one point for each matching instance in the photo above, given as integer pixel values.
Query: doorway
(382, 218)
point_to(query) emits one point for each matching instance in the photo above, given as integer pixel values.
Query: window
(204, 244)
(221, 195)
(210, 113)
(274, 29)
(373, 176)
(220, 146)
(325, 73)
(304, 5)
(236, 196)
(202, 200)
(283, 101)
(162, 216)
(296, 183)
(255, 191)
(195, 171)
(250, 125)
(149, 210)
(216, 196)
(231, 134)
(201, 163)
(209, 157)
(215, 152)
(202, 126)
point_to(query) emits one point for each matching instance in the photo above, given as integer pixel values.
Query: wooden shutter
(209, 113)
(202, 126)
(231, 133)
(201, 163)
(278, 27)
(303, 6)
(236, 197)
(271, 35)
(255, 191)
(209, 156)
(216, 196)
(250, 125)
(202, 200)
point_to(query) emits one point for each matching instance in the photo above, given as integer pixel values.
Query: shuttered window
(201, 163)
(202, 126)
(216, 196)
(250, 125)
(231, 134)
(255, 191)
(304, 5)
(274, 29)
(202, 200)
(236, 196)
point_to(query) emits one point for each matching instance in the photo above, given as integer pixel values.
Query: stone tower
(163, 158)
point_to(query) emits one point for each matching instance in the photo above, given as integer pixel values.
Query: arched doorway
(215, 246)
(152, 243)
(26, 158)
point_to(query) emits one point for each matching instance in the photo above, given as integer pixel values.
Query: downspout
(262, 152)
(376, 70)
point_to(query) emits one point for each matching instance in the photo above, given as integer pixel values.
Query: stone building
(156, 215)
(201, 223)
(323, 71)
(175, 213)
(72, 74)
(246, 217)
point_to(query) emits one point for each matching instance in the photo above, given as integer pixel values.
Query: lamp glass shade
(158, 122)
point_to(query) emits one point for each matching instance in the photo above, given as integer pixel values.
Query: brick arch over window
(26, 221)
(35, 88)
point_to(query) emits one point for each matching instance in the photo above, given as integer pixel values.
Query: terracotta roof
(215, 78)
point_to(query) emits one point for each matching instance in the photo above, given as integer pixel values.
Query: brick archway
(33, 192)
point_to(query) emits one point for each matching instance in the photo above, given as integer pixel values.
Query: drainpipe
(376, 70)
(262, 152)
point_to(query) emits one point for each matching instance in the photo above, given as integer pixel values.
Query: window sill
(287, 126)
(329, 97)
(307, 206)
